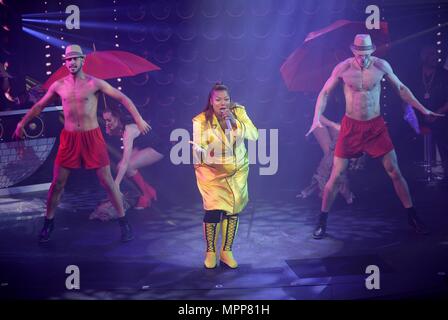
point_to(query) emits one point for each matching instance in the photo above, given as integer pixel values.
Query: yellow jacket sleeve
(246, 128)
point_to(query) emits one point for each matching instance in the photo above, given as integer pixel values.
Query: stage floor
(278, 257)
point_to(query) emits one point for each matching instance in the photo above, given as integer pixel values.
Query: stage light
(87, 24)
(47, 55)
(5, 27)
(48, 64)
(43, 36)
(46, 21)
(48, 73)
(67, 34)
(119, 79)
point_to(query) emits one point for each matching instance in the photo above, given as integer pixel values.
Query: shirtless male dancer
(81, 140)
(363, 129)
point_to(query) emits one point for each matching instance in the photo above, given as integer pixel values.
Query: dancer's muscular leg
(401, 187)
(108, 184)
(332, 186)
(60, 176)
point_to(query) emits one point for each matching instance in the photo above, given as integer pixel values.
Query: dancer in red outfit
(82, 143)
(362, 128)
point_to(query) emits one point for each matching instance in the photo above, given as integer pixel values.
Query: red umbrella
(310, 65)
(108, 65)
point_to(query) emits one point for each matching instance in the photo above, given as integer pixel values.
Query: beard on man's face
(74, 66)
(74, 69)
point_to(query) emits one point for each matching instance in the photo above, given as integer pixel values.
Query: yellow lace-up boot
(211, 232)
(229, 230)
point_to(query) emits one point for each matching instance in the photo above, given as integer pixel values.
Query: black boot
(415, 222)
(126, 230)
(44, 235)
(321, 227)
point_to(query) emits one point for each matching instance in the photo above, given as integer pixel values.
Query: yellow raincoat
(222, 166)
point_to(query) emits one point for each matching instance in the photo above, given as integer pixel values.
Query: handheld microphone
(228, 124)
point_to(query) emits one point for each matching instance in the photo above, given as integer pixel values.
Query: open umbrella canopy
(310, 65)
(108, 65)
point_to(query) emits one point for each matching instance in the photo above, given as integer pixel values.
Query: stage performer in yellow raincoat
(221, 165)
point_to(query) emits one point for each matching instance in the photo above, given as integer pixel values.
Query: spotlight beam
(44, 37)
(88, 24)
(63, 15)
(417, 34)
(70, 35)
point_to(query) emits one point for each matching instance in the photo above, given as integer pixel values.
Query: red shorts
(357, 136)
(82, 148)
